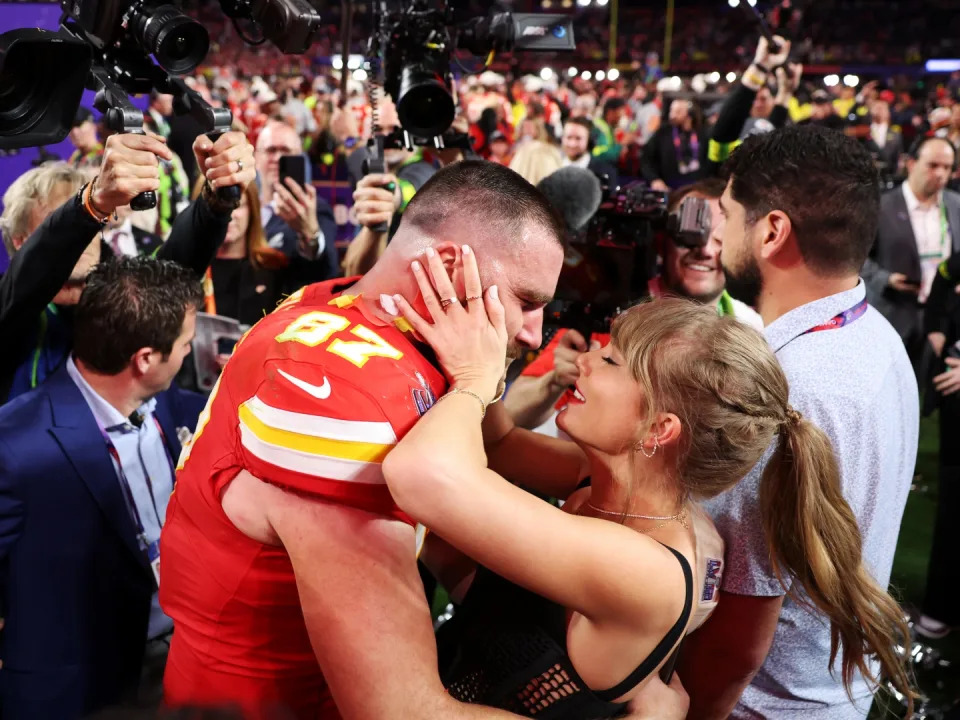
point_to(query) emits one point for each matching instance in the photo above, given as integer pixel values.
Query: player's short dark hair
(129, 304)
(824, 181)
(486, 193)
(582, 122)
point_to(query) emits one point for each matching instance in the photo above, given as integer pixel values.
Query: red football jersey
(314, 397)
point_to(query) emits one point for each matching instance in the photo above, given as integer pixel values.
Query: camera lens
(424, 104)
(25, 88)
(178, 43)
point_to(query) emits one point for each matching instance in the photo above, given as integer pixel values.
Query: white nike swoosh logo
(320, 393)
(276, 240)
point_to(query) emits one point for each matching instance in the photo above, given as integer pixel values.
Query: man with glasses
(294, 219)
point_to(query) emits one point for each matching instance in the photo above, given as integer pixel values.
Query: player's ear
(450, 255)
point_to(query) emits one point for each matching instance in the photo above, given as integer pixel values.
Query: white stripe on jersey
(378, 433)
(309, 464)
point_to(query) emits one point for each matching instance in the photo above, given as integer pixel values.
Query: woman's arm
(438, 475)
(540, 463)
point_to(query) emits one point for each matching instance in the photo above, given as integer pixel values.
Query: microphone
(575, 194)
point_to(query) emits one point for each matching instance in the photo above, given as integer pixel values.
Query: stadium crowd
(316, 369)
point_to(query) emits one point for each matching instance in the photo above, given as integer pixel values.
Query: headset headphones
(918, 144)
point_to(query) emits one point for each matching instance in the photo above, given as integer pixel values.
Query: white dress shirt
(879, 134)
(932, 235)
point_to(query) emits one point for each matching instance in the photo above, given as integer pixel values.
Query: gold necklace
(680, 517)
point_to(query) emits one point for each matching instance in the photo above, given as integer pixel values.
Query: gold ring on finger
(475, 297)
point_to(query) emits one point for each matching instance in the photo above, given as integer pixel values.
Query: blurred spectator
(295, 111)
(534, 160)
(885, 142)
(123, 238)
(83, 135)
(939, 609)
(822, 111)
(295, 220)
(675, 154)
(953, 131)
(605, 146)
(576, 150)
(499, 148)
(919, 228)
(246, 280)
(88, 467)
(159, 112)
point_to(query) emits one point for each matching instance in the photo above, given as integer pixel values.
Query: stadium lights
(713, 77)
(601, 75)
(831, 80)
(943, 65)
(354, 61)
(586, 75)
(546, 73)
(731, 76)
(851, 80)
(546, 4)
(601, 3)
(613, 74)
(752, 3)
(572, 72)
(733, 3)
(583, 3)
(360, 74)
(567, 3)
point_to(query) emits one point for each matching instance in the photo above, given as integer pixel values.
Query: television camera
(610, 264)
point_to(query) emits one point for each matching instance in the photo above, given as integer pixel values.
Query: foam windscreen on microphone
(575, 193)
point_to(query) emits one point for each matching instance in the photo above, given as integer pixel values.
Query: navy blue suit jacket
(75, 587)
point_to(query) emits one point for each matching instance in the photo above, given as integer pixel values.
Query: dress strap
(665, 646)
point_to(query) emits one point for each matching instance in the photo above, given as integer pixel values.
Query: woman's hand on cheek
(469, 337)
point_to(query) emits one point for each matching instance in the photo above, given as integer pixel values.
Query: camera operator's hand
(565, 372)
(657, 701)
(787, 82)
(130, 166)
(900, 283)
(228, 161)
(659, 185)
(375, 204)
(766, 59)
(298, 207)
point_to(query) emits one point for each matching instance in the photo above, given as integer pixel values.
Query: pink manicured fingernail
(416, 265)
(494, 293)
(429, 252)
(389, 305)
(466, 250)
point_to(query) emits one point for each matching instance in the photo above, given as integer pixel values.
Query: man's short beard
(745, 283)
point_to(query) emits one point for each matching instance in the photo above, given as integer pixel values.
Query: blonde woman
(573, 611)
(535, 159)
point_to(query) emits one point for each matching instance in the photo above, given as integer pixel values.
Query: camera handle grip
(231, 194)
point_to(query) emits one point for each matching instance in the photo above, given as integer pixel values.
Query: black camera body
(410, 53)
(610, 264)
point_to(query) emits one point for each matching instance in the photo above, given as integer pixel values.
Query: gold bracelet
(459, 391)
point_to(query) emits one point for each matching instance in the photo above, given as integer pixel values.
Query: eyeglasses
(278, 150)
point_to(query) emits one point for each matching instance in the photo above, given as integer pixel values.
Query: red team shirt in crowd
(313, 399)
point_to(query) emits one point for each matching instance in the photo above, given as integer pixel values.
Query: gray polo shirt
(856, 383)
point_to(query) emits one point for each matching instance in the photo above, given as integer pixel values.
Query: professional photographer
(540, 391)
(747, 110)
(52, 252)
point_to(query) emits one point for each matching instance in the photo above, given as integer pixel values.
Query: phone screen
(294, 166)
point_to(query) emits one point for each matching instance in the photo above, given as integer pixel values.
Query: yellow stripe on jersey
(342, 301)
(310, 444)
(320, 466)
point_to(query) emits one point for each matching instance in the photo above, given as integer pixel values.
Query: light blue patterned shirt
(142, 453)
(855, 383)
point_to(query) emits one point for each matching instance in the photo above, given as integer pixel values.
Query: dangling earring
(656, 446)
